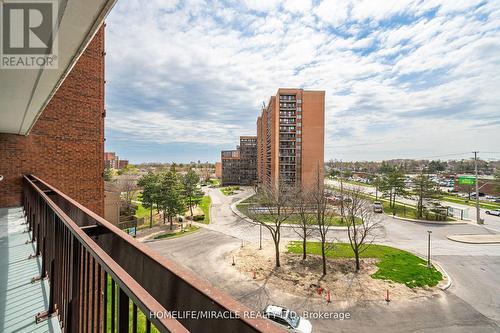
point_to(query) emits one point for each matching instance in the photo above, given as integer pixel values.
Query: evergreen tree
(425, 189)
(170, 196)
(192, 193)
(149, 196)
(393, 185)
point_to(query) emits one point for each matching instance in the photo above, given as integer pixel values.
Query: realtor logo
(28, 38)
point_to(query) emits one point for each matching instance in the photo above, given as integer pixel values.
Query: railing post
(74, 280)
(123, 311)
(41, 316)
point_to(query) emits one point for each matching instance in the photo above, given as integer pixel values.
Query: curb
(426, 221)
(439, 268)
(468, 242)
(449, 283)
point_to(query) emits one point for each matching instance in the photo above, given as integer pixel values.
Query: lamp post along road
(260, 237)
(429, 232)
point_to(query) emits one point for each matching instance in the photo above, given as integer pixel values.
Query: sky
(403, 78)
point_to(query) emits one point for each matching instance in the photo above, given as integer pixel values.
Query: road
(471, 304)
(491, 222)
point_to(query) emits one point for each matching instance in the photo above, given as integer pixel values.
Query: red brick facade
(66, 146)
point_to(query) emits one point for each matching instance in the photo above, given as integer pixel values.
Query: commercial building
(290, 138)
(239, 166)
(487, 185)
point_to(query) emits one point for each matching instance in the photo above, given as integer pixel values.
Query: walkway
(20, 300)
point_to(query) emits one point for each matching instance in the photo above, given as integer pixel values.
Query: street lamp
(260, 236)
(429, 232)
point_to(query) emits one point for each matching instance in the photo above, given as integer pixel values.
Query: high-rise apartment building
(248, 160)
(239, 167)
(230, 167)
(290, 138)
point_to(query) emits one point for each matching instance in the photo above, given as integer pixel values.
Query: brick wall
(66, 146)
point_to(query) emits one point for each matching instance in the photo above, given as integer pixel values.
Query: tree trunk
(171, 220)
(323, 256)
(277, 253)
(356, 255)
(151, 216)
(304, 245)
(191, 208)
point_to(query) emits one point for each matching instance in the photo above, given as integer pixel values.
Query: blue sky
(402, 78)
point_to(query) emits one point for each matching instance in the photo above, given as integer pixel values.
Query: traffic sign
(466, 180)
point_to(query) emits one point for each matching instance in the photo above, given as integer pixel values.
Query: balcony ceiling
(24, 93)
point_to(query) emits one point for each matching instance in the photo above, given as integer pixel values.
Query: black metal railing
(102, 280)
(89, 291)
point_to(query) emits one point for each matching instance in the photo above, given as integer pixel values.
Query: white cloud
(299, 6)
(195, 72)
(334, 12)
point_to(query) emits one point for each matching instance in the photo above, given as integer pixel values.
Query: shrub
(200, 217)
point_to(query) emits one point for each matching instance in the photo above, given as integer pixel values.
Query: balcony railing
(102, 280)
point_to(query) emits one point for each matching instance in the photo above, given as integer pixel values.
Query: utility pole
(478, 211)
(341, 191)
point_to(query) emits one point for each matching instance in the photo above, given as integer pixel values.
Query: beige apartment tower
(291, 138)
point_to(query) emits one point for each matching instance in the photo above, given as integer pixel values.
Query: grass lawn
(294, 219)
(394, 265)
(401, 210)
(205, 207)
(404, 210)
(354, 182)
(472, 202)
(141, 317)
(143, 212)
(229, 190)
(214, 182)
(248, 200)
(186, 231)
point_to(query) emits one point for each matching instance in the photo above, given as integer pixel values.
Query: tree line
(314, 214)
(171, 193)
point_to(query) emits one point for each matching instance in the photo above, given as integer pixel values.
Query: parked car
(288, 319)
(495, 212)
(377, 207)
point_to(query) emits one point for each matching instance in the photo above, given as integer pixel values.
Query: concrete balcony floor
(20, 300)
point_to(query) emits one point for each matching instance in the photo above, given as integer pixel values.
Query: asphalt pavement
(472, 304)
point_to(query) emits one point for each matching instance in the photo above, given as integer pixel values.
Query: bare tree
(323, 214)
(127, 183)
(206, 171)
(271, 208)
(362, 227)
(303, 209)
